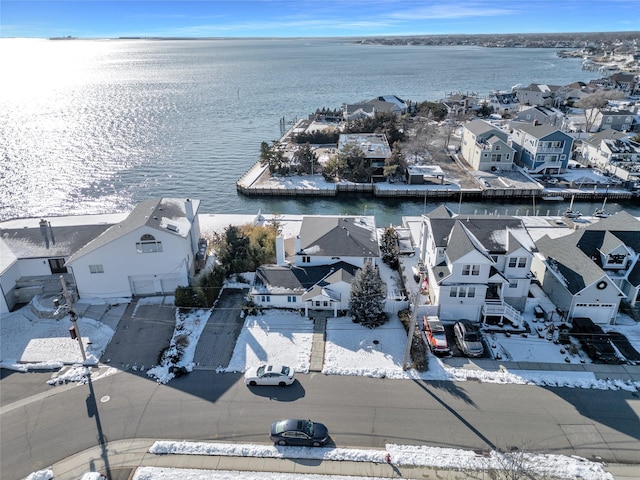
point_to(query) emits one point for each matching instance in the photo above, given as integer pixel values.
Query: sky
(310, 18)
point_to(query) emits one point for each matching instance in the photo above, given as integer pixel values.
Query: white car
(269, 375)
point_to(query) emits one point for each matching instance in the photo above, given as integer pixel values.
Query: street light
(74, 331)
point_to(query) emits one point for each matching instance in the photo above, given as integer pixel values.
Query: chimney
(280, 251)
(188, 208)
(44, 232)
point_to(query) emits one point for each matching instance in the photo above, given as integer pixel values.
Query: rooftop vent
(172, 228)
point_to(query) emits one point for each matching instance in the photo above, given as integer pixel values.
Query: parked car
(280, 375)
(468, 338)
(436, 335)
(299, 432)
(594, 341)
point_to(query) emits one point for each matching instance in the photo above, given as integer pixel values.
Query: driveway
(143, 332)
(219, 337)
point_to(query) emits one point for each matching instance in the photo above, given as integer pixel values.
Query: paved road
(360, 412)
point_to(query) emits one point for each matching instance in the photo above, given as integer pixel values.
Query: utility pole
(74, 318)
(412, 325)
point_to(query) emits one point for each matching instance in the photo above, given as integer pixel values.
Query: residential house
(314, 270)
(625, 82)
(569, 94)
(152, 251)
(477, 267)
(541, 148)
(612, 151)
(591, 271)
(34, 252)
(375, 147)
(382, 104)
(502, 102)
(486, 147)
(539, 116)
(459, 104)
(538, 94)
(620, 119)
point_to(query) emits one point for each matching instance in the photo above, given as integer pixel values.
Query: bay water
(95, 126)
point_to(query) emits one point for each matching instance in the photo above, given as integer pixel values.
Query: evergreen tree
(389, 247)
(366, 303)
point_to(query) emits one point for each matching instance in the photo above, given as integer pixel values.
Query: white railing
(503, 310)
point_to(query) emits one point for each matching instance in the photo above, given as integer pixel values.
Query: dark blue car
(299, 432)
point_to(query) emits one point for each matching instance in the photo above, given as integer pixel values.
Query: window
(471, 292)
(306, 259)
(265, 298)
(453, 292)
(148, 244)
(496, 157)
(522, 262)
(513, 284)
(466, 269)
(513, 261)
(96, 269)
(292, 299)
(475, 270)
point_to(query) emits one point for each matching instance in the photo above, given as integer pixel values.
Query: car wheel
(282, 442)
(316, 444)
(252, 383)
(282, 384)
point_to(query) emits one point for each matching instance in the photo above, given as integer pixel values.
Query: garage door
(143, 285)
(598, 312)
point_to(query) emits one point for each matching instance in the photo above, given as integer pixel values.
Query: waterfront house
(591, 271)
(485, 147)
(502, 102)
(541, 148)
(538, 94)
(382, 104)
(375, 148)
(616, 119)
(460, 104)
(34, 252)
(613, 152)
(314, 269)
(151, 252)
(476, 267)
(539, 116)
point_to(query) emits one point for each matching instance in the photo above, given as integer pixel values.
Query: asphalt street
(360, 412)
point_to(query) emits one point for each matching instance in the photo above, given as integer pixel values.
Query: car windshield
(285, 371)
(471, 337)
(260, 370)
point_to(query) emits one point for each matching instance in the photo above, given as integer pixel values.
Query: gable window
(96, 269)
(148, 244)
(471, 270)
(522, 262)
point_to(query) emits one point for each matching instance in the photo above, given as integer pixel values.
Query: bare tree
(595, 103)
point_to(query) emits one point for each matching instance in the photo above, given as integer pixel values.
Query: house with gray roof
(151, 252)
(538, 94)
(541, 148)
(34, 253)
(618, 119)
(614, 152)
(485, 147)
(477, 266)
(591, 271)
(539, 116)
(381, 104)
(314, 269)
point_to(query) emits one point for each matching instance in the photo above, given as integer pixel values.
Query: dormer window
(148, 244)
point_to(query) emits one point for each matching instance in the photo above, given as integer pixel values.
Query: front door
(57, 265)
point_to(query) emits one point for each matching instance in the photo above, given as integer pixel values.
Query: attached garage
(142, 285)
(600, 313)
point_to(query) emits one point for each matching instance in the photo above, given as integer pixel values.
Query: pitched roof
(339, 236)
(480, 127)
(46, 239)
(164, 214)
(538, 131)
(293, 279)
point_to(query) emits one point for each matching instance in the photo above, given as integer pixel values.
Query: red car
(436, 336)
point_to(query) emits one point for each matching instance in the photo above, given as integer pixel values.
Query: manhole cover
(105, 399)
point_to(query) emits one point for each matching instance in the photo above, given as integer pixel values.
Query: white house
(314, 269)
(589, 272)
(613, 152)
(478, 267)
(34, 251)
(151, 252)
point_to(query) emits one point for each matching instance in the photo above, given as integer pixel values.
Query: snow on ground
(28, 340)
(279, 337)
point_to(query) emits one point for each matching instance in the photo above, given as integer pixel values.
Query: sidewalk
(125, 456)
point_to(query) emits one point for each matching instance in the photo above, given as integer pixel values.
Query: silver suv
(468, 338)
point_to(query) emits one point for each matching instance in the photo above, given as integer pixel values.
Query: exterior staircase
(503, 310)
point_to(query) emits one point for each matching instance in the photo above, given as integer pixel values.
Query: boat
(601, 212)
(570, 212)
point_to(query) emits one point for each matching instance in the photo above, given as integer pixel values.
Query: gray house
(591, 271)
(621, 120)
(541, 148)
(485, 147)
